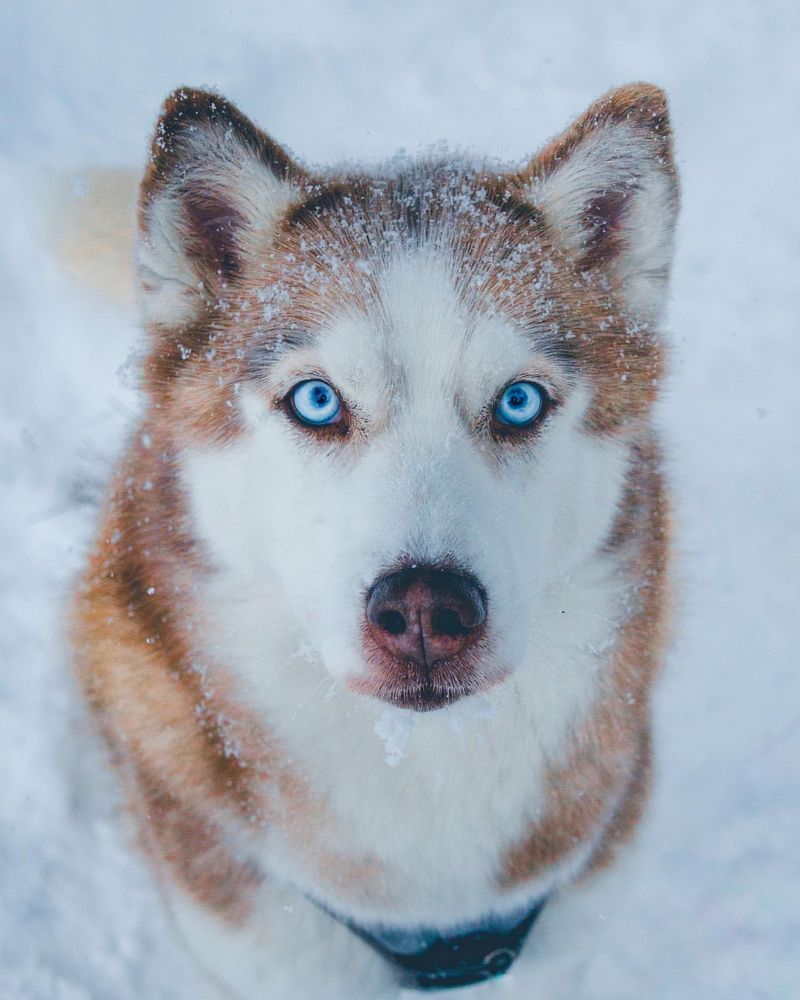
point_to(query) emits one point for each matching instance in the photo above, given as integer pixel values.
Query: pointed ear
(215, 188)
(608, 188)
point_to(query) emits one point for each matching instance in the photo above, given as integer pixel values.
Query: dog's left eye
(520, 404)
(315, 403)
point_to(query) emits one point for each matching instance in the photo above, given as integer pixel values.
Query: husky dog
(380, 590)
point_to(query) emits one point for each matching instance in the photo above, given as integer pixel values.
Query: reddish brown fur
(194, 850)
(136, 666)
(134, 612)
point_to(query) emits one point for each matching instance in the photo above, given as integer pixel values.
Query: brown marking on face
(196, 763)
(600, 786)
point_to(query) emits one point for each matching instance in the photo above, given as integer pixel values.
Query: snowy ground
(713, 907)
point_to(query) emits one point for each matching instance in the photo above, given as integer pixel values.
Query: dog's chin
(445, 684)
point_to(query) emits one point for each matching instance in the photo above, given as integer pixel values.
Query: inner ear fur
(214, 186)
(608, 189)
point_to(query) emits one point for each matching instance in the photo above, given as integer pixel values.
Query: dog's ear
(215, 187)
(608, 188)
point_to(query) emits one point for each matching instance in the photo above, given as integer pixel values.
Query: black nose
(425, 614)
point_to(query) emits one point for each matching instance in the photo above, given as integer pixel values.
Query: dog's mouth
(426, 697)
(446, 682)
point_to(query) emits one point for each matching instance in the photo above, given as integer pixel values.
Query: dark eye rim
(502, 430)
(338, 427)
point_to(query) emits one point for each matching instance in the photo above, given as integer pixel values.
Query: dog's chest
(415, 813)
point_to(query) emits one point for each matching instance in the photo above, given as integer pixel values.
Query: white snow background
(710, 907)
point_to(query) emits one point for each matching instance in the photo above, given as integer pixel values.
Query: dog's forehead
(413, 285)
(419, 336)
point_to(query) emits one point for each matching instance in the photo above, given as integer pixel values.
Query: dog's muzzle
(428, 960)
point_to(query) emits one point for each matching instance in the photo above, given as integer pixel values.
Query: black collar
(429, 960)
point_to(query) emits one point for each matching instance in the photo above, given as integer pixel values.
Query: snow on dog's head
(404, 402)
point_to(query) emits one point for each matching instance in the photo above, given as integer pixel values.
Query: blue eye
(315, 403)
(520, 404)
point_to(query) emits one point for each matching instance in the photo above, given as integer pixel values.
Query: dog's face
(415, 394)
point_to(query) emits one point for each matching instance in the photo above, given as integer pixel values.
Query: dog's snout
(426, 615)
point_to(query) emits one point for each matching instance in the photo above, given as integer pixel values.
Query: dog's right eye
(315, 403)
(520, 405)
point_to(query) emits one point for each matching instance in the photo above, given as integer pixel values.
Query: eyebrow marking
(263, 357)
